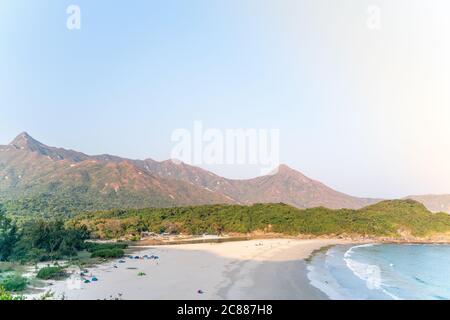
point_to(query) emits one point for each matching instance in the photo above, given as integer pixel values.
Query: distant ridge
(57, 179)
(434, 203)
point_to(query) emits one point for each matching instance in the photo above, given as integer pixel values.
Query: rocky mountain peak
(25, 142)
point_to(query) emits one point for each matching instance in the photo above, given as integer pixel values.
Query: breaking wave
(369, 273)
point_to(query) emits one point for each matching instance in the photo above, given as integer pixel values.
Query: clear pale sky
(366, 111)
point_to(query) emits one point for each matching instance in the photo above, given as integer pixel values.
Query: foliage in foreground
(5, 295)
(387, 218)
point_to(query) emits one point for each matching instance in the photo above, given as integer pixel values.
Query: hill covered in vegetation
(394, 219)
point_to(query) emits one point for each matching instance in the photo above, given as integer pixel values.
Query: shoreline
(291, 281)
(148, 242)
(382, 271)
(252, 269)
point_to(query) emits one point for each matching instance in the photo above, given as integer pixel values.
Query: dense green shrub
(93, 246)
(14, 283)
(108, 253)
(54, 273)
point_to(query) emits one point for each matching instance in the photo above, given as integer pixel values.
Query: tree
(8, 235)
(48, 240)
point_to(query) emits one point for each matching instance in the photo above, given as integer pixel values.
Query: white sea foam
(370, 274)
(384, 272)
(351, 250)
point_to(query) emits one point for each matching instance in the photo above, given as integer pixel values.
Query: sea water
(383, 271)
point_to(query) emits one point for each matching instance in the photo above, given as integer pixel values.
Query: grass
(6, 267)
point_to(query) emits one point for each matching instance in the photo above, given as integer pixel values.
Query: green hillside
(68, 201)
(388, 218)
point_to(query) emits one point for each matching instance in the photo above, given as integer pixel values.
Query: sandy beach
(256, 269)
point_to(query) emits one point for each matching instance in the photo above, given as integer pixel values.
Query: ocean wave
(352, 249)
(369, 273)
(385, 272)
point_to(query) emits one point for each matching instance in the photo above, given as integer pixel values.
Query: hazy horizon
(362, 105)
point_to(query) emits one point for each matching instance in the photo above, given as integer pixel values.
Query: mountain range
(35, 177)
